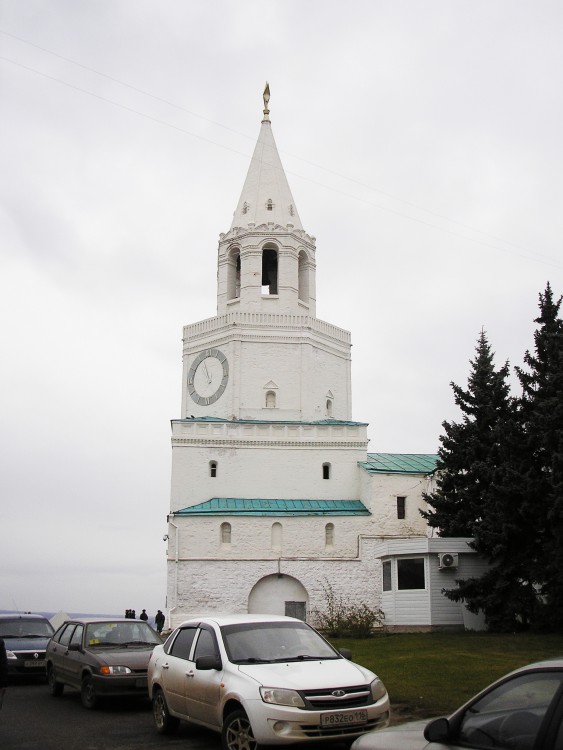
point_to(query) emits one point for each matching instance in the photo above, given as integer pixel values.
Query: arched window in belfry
(329, 535)
(329, 407)
(303, 278)
(277, 531)
(233, 274)
(225, 533)
(269, 270)
(213, 469)
(270, 399)
(326, 471)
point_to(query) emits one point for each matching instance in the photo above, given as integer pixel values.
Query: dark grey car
(101, 657)
(26, 637)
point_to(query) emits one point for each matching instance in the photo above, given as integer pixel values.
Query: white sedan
(262, 679)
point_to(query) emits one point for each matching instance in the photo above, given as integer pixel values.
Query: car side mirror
(208, 662)
(75, 647)
(346, 653)
(437, 731)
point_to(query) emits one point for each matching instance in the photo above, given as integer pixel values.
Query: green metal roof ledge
(234, 506)
(400, 463)
(334, 422)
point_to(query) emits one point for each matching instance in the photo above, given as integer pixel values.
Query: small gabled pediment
(270, 385)
(329, 395)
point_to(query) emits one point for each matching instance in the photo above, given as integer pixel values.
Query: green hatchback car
(101, 658)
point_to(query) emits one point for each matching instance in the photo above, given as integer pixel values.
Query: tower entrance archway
(279, 594)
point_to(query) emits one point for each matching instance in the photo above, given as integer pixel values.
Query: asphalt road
(32, 719)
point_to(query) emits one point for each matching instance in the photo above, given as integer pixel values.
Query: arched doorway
(279, 594)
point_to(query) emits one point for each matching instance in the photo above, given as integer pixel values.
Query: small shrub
(339, 619)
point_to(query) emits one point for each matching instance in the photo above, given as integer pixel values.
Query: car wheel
(55, 686)
(88, 693)
(237, 733)
(165, 724)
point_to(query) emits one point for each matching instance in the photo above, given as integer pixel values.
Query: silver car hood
(407, 736)
(308, 675)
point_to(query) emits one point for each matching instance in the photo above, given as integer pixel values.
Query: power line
(293, 156)
(524, 253)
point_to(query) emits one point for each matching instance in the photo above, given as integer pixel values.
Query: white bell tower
(265, 355)
(265, 444)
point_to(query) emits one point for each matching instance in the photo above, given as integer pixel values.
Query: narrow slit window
(225, 533)
(213, 468)
(401, 507)
(326, 471)
(277, 532)
(329, 535)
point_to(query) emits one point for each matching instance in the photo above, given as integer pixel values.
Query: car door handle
(166, 666)
(190, 673)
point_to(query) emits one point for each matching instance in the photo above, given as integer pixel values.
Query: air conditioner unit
(448, 560)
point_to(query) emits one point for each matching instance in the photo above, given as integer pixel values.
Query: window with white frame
(411, 574)
(387, 580)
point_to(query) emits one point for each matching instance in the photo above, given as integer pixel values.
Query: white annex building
(274, 493)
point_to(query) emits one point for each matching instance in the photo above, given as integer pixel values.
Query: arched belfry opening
(270, 270)
(303, 277)
(233, 274)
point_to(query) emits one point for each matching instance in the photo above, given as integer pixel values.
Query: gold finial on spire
(266, 97)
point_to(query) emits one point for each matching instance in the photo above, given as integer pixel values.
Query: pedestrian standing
(143, 615)
(159, 621)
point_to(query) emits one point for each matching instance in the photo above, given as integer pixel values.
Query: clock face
(208, 376)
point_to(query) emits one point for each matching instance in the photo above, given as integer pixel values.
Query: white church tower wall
(273, 495)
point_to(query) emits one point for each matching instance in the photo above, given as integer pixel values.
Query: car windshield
(26, 627)
(123, 634)
(267, 642)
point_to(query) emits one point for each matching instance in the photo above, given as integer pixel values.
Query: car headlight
(282, 697)
(377, 689)
(10, 654)
(115, 670)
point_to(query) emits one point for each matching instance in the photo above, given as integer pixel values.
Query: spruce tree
(541, 411)
(518, 526)
(470, 450)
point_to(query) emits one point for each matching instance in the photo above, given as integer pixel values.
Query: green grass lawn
(434, 673)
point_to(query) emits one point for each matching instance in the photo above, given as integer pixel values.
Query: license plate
(34, 663)
(141, 682)
(342, 718)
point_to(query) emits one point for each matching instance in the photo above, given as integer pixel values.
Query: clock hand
(206, 371)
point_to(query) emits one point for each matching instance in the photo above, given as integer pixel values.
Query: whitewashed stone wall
(305, 358)
(265, 461)
(379, 494)
(252, 538)
(203, 587)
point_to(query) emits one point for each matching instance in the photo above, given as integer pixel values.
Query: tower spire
(266, 195)
(266, 96)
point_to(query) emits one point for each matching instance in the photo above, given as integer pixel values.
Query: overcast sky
(422, 143)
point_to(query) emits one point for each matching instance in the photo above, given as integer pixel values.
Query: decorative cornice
(273, 321)
(251, 443)
(265, 230)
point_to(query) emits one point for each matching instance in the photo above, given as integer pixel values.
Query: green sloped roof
(234, 506)
(334, 422)
(400, 463)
